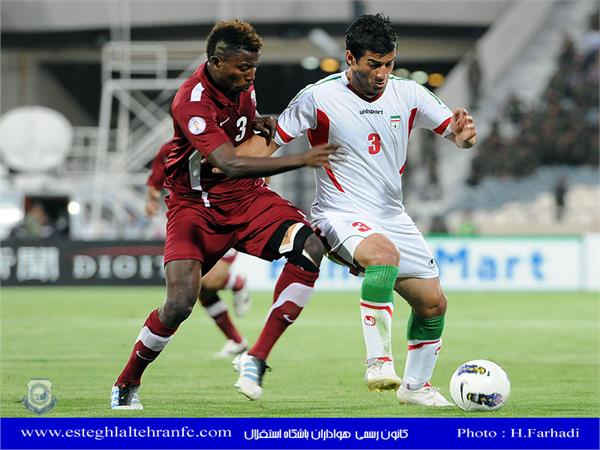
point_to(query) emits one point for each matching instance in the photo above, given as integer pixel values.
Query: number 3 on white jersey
(241, 123)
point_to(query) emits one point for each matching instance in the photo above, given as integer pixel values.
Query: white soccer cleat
(251, 370)
(381, 376)
(125, 396)
(424, 396)
(232, 348)
(241, 300)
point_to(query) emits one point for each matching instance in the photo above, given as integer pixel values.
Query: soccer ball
(479, 385)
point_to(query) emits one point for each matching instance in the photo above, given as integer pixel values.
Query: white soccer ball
(479, 385)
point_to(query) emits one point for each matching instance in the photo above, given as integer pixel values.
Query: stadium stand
(536, 171)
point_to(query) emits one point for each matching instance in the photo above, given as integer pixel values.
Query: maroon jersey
(157, 174)
(204, 119)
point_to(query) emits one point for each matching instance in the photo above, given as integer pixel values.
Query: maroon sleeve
(157, 174)
(198, 121)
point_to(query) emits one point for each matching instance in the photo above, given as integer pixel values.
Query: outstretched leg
(294, 287)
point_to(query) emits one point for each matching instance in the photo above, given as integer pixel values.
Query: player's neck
(355, 87)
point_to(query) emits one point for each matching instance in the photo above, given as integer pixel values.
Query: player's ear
(350, 60)
(215, 61)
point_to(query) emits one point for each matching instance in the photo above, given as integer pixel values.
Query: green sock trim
(378, 285)
(424, 329)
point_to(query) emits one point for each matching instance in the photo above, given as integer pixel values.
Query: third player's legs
(218, 278)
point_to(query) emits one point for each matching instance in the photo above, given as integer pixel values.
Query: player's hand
(463, 127)
(152, 202)
(151, 207)
(266, 127)
(320, 155)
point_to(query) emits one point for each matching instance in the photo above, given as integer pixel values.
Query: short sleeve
(157, 174)
(432, 113)
(298, 117)
(198, 121)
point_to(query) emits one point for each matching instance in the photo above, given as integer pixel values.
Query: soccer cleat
(125, 396)
(232, 348)
(381, 376)
(241, 300)
(424, 396)
(251, 370)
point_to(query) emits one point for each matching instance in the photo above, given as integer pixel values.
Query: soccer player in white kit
(358, 208)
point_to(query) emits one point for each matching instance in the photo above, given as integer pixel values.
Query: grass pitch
(81, 337)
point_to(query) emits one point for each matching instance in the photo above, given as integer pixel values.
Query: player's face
(371, 72)
(235, 72)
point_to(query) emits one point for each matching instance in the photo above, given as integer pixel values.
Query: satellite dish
(34, 138)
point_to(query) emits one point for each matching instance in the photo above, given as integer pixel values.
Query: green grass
(80, 338)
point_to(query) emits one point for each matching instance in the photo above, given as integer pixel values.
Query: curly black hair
(232, 35)
(373, 33)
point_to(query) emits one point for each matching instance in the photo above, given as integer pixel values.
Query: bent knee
(182, 294)
(208, 296)
(383, 257)
(174, 313)
(434, 306)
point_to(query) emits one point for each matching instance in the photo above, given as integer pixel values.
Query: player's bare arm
(256, 146)
(464, 134)
(233, 166)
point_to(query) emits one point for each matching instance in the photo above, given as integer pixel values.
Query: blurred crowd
(562, 129)
(38, 224)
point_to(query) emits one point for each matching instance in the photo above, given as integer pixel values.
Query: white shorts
(342, 232)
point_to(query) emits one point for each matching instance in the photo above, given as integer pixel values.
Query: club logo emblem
(395, 122)
(39, 396)
(370, 321)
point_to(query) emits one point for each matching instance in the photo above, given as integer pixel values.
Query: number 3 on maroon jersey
(194, 161)
(241, 123)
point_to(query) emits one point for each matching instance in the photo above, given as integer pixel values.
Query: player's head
(370, 52)
(233, 51)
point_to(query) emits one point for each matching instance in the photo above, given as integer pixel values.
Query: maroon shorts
(202, 233)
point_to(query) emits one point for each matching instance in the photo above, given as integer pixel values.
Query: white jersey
(374, 134)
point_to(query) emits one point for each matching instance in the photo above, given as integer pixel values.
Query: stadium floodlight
(73, 208)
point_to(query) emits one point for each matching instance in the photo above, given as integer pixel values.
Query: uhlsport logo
(395, 122)
(371, 111)
(39, 396)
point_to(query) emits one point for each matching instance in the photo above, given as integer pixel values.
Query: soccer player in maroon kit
(213, 112)
(219, 277)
